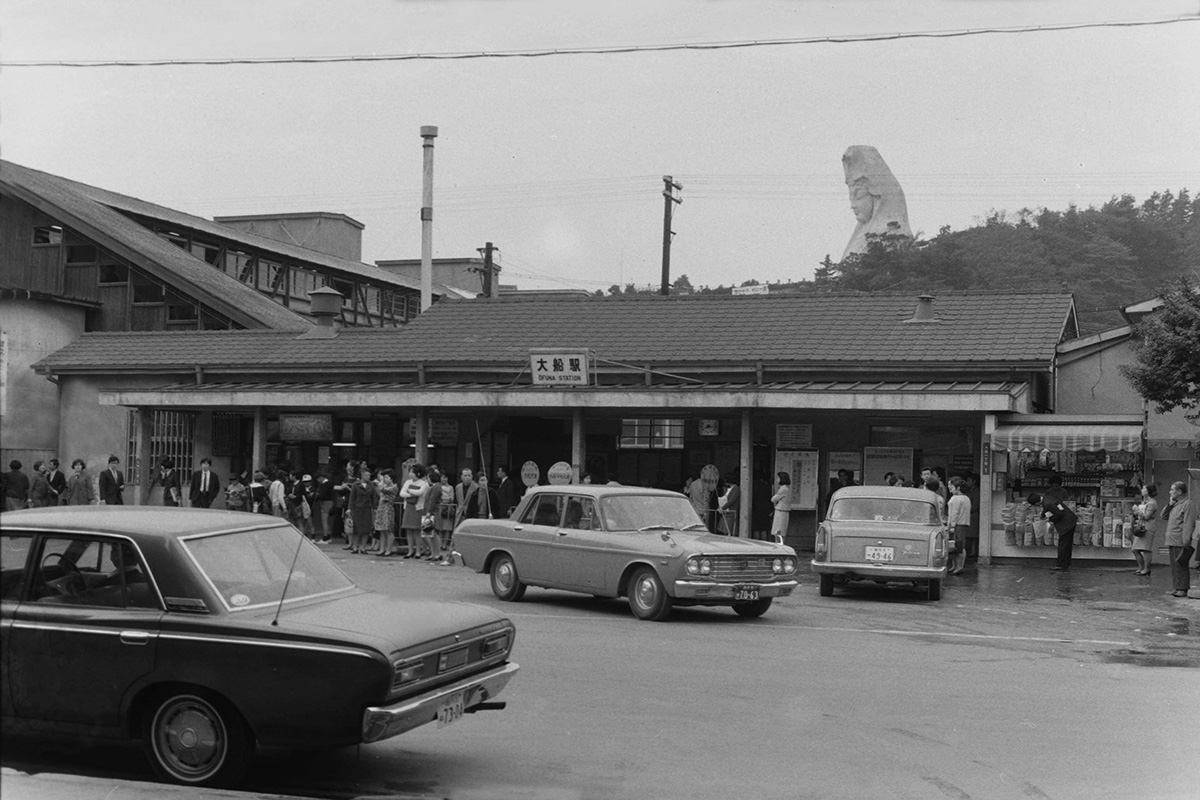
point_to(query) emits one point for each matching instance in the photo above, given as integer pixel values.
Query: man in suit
(205, 485)
(58, 483)
(112, 484)
(507, 493)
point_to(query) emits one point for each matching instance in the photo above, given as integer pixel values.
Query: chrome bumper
(707, 590)
(880, 572)
(382, 722)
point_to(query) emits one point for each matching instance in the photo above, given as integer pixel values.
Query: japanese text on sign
(559, 367)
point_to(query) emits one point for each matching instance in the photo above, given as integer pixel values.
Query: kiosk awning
(1068, 437)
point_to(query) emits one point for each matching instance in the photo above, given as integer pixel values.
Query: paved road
(1019, 684)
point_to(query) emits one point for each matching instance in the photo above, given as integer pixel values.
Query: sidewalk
(18, 785)
(1112, 582)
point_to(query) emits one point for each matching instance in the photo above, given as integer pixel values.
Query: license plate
(880, 554)
(745, 593)
(450, 710)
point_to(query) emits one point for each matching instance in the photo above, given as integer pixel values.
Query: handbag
(1139, 528)
(1185, 555)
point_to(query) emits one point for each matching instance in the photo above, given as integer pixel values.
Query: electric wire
(603, 50)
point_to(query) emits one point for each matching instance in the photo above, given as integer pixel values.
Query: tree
(1167, 372)
(682, 285)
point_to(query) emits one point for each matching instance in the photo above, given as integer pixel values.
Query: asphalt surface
(1101, 587)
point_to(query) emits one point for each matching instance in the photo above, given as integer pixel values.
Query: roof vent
(325, 304)
(924, 312)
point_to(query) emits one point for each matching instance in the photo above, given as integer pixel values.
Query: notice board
(801, 465)
(878, 461)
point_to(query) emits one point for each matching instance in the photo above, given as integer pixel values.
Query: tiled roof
(834, 330)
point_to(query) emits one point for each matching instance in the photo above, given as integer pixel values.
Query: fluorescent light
(343, 444)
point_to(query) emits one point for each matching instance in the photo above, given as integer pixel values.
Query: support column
(421, 437)
(986, 483)
(578, 446)
(258, 453)
(746, 479)
(141, 481)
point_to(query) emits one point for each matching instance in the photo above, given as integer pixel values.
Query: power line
(605, 50)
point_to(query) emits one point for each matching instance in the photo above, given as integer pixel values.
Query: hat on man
(306, 478)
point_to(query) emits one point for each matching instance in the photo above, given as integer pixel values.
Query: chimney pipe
(924, 312)
(324, 304)
(428, 134)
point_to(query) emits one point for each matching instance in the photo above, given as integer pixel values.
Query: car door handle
(517, 528)
(563, 533)
(135, 637)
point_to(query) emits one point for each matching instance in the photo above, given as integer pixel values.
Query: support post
(746, 479)
(258, 451)
(141, 481)
(578, 446)
(421, 437)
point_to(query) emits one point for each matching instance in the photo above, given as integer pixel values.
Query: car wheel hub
(645, 592)
(191, 739)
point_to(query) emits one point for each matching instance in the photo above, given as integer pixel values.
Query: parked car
(884, 534)
(205, 633)
(611, 541)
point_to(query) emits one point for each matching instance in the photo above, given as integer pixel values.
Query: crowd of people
(50, 486)
(372, 510)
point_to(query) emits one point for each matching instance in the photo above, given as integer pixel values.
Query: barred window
(172, 435)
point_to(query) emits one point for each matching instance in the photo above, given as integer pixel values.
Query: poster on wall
(793, 437)
(801, 465)
(878, 461)
(850, 461)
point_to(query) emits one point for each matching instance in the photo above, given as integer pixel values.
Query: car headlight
(699, 566)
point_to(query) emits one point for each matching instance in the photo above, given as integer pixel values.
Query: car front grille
(742, 568)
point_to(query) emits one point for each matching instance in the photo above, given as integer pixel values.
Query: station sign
(559, 367)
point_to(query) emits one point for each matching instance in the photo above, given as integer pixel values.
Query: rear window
(250, 569)
(884, 510)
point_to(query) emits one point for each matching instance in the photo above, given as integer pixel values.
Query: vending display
(1101, 488)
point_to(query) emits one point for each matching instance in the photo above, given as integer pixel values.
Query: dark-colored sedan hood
(387, 623)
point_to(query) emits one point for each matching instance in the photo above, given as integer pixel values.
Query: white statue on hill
(875, 197)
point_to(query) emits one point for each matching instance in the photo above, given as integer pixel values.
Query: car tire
(648, 598)
(506, 582)
(197, 739)
(826, 584)
(934, 590)
(754, 609)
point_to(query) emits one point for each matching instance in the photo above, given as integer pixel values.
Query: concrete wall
(32, 329)
(1093, 384)
(332, 234)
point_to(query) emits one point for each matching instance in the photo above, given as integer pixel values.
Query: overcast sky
(559, 160)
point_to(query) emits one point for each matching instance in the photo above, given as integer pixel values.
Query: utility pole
(669, 187)
(490, 288)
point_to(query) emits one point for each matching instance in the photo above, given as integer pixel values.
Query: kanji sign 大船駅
(559, 367)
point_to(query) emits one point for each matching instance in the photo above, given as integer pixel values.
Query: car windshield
(631, 512)
(249, 569)
(884, 510)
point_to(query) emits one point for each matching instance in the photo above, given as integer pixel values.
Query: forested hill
(1108, 256)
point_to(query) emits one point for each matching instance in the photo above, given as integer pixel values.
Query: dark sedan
(206, 633)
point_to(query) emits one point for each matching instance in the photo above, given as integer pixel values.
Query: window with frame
(146, 290)
(44, 235)
(114, 274)
(644, 433)
(92, 572)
